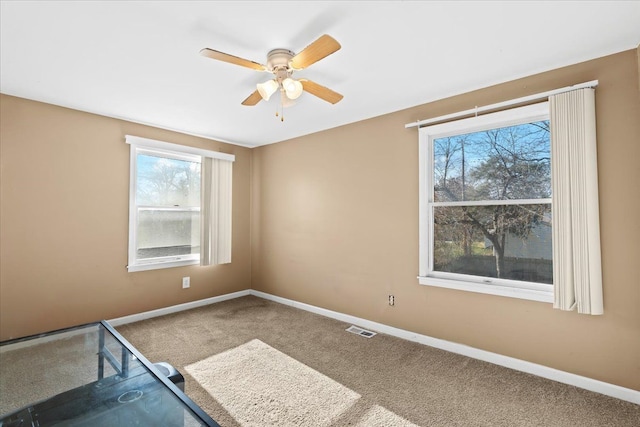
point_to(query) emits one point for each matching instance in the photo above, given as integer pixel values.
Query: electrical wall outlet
(186, 282)
(392, 300)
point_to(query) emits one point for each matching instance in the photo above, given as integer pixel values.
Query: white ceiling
(139, 61)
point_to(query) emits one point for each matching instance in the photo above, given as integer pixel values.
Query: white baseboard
(175, 308)
(590, 384)
(586, 383)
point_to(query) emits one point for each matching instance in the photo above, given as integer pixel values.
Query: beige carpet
(259, 350)
(260, 386)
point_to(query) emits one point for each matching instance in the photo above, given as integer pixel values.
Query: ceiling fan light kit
(292, 88)
(282, 63)
(267, 89)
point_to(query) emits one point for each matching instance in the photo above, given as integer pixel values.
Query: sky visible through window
(506, 163)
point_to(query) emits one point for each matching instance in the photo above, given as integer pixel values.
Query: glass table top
(89, 376)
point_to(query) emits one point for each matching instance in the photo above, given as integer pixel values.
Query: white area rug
(260, 386)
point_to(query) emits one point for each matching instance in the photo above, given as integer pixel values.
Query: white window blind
(576, 222)
(215, 247)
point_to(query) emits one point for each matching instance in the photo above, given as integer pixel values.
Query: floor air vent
(360, 331)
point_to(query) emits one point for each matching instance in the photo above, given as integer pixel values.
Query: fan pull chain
(281, 109)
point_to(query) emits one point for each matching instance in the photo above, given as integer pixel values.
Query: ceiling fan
(282, 63)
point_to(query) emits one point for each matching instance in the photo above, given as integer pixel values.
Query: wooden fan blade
(321, 48)
(221, 56)
(252, 99)
(320, 91)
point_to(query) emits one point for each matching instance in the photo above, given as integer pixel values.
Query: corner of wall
(638, 69)
(251, 216)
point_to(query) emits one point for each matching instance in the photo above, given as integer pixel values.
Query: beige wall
(333, 221)
(64, 220)
(335, 224)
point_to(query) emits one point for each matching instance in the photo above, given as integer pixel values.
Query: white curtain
(215, 246)
(577, 274)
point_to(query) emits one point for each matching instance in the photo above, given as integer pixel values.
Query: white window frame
(429, 277)
(175, 151)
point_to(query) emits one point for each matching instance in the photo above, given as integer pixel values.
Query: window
(485, 204)
(167, 207)
(167, 224)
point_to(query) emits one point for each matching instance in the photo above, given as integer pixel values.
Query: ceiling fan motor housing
(278, 59)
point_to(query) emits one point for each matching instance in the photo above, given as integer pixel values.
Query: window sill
(504, 291)
(159, 265)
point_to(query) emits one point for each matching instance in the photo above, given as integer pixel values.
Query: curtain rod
(498, 105)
